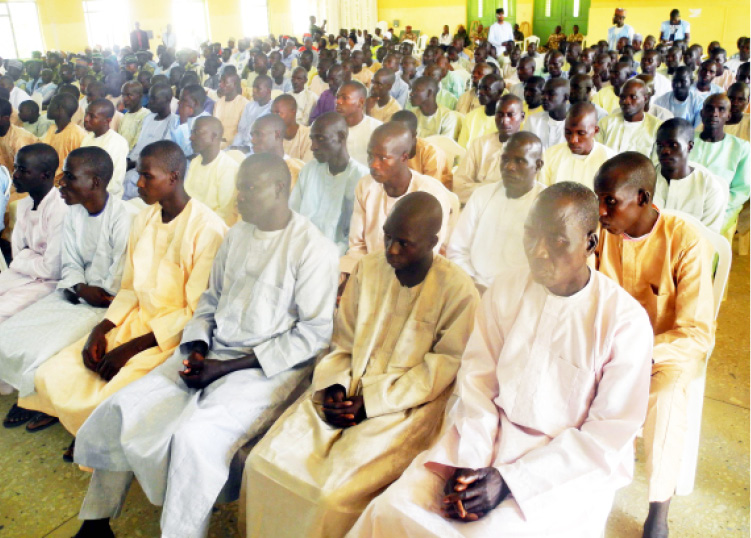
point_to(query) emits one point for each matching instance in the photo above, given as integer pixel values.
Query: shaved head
(271, 121)
(677, 128)
(408, 118)
(287, 101)
(331, 122)
(583, 200)
(212, 124)
(582, 112)
(94, 160)
(133, 86)
(266, 165)
(629, 168)
(419, 210)
(530, 140)
(103, 106)
(395, 136)
(169, 155)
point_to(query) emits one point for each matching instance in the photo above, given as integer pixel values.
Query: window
(107, 23)
(301, 12)
(20, 33)
(255, 14)
(190, 23)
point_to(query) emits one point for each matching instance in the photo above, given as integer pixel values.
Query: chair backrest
(449, 146)
(422, 42)
(525, 28)
(533, 39)
(721, 248)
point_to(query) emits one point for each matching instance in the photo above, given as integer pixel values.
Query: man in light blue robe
(684, 101)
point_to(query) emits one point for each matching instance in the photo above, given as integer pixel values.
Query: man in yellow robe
(130, 125)
(665, 265)
(170, 253)
(230, 107)
(481, 121)
(296, 137)
(381, 105)
(212, 174)
(379, 397)
(425, 158)
(432, 118)
(64, 136)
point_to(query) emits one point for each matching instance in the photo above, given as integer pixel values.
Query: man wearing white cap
(621, 29)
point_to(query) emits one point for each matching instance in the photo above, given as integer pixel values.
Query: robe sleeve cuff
(197, 330)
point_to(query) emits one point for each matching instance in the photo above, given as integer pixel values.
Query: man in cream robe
(94, 237)
(432, 118)
(212, 174)
(166, 270)
(666, 265)
(556, 370)
(378, 398)
(259, 106)
(488, 235)
(132, 120)
(381, 105)
(97, 124)
(738, 124)
(305, 98)
(580, 156)
(229, 108)
(481, 121)
(64, 136)
(37, 237)
(481, 164)
(686, 186)
(425, 158)
(296, 139)
(249, 349)
(549, 124)
(630, 128)
(390, 178)
(350, 103)
(12, 137)
(325, 191)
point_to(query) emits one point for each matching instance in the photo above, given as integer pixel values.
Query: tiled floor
(40, 494)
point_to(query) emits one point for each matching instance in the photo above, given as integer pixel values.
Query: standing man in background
(675, 29)
(139, 40)
(500, 31)
(621, 29)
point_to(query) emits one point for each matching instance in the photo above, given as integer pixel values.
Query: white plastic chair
(696, 389)
(453, 151)
(383, 25)
(422, 42)
(533, 39)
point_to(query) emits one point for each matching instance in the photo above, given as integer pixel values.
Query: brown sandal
(41, 421)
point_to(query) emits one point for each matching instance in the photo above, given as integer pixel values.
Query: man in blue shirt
(684, 101)
(675, 29)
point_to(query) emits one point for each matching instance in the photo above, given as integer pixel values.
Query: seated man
(381, 105)
(425, 158)
(267, 136)
(390, 178)
(488, 235)
(608, 98)
(212, 173)
(665, 264)
(552, 392)
(378, 398)
(229, 108)
(581, 90)
(549, 124)
(738, 124)
(256, 366)
(481, 164)
(725, 155)
(171, 248)
(305, 98)
(481, 121)
(432, 119)
(156, 126)
(130, 125)
(38, 234)
(443, 97)
(259, 106)
(350, 103)
(684, 101)
(97, 124)
(12, 137)
(580, 156)
(189, 108)
(662, 114)
(94, 238)
(64, 136)
(706, 74)
(28, 113)
(327, 100)
(685, 186)
(630, 128)
(296, 137)
(325, 191)
(469, 100)
(650, 63)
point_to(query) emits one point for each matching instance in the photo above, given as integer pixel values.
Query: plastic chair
(383, 25)
(422, 42)
(531, 39)
(696, 389)
(449, 146)
(525, 28)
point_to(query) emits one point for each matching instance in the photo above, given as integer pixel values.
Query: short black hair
(96, 159)
(169, 154)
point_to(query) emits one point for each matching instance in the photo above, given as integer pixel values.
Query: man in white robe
(488, 235)
(432, 118)
(549, 124)
(686, 186)
(325, 190)
(580, 156)
(552, 392)
(304, 97)
(350, 103)
(268, 311)
(630, 128)
(99, 114)
(378, 398)
(259, 106)
(481, 164)
(95, 235)
(190, 108)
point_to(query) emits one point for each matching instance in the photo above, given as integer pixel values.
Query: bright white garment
(306, 100)
(180, 132)
(328, 200)
(549, 131)
(270, 293)
(701, 194)
(499, 33)
(689, 110)
(552, 392)
(37, 245)
(621, 135)
(299, 146)
(117, 148)
(442, 122)
(480, 165)
(250, 114)
(562, 165)
(358, 139)
(662, 114)
(214, 184)
(152, 130)
(373, 206)
(92, 253)
(662, 85)
(488, 237)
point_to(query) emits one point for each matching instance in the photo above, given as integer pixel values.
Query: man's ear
(645, 197)
(592, 241)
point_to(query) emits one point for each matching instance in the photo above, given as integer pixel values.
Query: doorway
(550, 13)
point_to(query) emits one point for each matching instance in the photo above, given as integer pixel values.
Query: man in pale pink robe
(553, 389)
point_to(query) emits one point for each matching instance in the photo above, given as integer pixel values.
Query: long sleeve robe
(93, 251)
(552, 392)
(166, 270)
(14, 139)
(689, 109)
(481, 165)
(250, 114)
(621, 135)
(130, 126)
(488, 237)
(306, 100)
(397, 347)
(430, 160)
(117, 148)
(562, 165)
(270, 293)
(468, 101)
(180, 132)
(229, 113)
(152, 130)
(476, 124)
(442, 122)
(214, 184)
(299, 146)
(37, 248)
(64, 142)
(385, 112)
(373, 206)
(328, 200)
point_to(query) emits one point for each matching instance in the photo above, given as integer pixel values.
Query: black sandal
(41, 421)
(18, 416)
(68, 454)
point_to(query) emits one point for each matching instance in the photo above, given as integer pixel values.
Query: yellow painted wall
(724, 21)
(428, 16)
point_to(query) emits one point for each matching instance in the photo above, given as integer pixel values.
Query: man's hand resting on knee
(471, 493)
